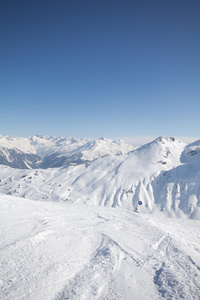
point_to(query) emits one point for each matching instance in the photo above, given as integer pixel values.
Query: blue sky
(100, 68)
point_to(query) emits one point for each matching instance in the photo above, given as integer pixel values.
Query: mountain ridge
(154, 174)
(49, 152)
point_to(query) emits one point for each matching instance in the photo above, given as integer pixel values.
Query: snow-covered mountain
(50, 152)
(77, 246)
(162, 174)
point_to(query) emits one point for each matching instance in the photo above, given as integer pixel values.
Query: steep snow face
(191, 152)
(166, 151)
(152, 174)
(177, 191)
(67, 251)
(50, 152)
(18, 159)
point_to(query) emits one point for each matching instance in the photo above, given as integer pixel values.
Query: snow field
(62, 251)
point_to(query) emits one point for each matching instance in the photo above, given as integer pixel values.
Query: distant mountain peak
(164, 139)
(50, 151)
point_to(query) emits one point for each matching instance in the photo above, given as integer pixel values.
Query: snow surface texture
(60, 251)
(49, 152)
(164, 175)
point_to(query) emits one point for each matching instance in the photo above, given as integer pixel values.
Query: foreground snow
(60, 251)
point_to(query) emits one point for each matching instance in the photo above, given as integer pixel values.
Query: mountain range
(99, 219)
(164, 174)
(50, 152)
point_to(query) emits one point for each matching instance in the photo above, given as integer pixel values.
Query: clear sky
(111, 68)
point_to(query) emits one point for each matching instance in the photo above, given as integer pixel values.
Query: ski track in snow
(68, 251)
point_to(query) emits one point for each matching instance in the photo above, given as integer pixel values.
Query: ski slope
(51, 250)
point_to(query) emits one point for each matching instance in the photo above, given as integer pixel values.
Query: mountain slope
(153, 174)
(191, 152)
(17, 159)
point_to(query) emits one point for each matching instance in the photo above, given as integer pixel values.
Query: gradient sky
(111, 68)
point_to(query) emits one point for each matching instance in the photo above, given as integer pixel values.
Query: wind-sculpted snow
(63, 251)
